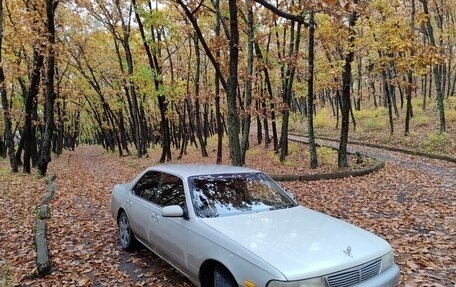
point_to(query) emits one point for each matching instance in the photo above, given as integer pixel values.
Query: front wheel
(126, 237)
(222, 278)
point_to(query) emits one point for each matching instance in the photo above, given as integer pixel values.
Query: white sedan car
(229, 226)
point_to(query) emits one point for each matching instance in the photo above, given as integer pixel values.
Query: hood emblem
(348, 251)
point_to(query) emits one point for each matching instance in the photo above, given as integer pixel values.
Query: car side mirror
(172, 211)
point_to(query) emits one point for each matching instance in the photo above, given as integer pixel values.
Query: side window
(147, 186)
(171, 191)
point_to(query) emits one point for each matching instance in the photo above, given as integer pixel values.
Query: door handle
(154, 216)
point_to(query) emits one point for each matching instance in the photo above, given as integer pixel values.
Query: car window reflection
(171, 191)
(147, 186)
(228, 194)
(161, 188)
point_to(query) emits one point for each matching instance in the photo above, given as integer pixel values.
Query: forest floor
(411, 202)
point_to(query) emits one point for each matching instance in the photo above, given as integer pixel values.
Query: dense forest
(137, 73)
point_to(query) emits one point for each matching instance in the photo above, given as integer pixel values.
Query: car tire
(127, 239)
(222, 278)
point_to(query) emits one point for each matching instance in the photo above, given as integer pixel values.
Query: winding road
(435, 167)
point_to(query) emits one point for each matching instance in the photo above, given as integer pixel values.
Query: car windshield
(228, 194)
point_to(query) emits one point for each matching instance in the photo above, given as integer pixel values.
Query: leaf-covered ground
(413, 209)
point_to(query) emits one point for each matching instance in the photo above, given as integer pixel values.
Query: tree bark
(30, 95)
(45, 150)
(342, 158)
(295, 40)
(248, 82)
(162, 102)
(435, 69)
(199, 128)
(233, 119)
(409, 85)
(310, 93)
(9, 142)
(218, 116)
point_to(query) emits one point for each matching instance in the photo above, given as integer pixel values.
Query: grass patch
(5, 171)
(5, 276)
(323, 119)
(293, 148)
(420, 120)
(360, 115)
(253, 152)
(450, 115)
(326, 155)
(373, 124)
(436, 143)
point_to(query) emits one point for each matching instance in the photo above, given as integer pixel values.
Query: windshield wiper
(283, 206)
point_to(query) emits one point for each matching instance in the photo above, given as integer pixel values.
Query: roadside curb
(396, 149)
(331, 175)
(43, 263)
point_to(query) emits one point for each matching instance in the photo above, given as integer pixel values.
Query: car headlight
(387, 260)
(314, 282)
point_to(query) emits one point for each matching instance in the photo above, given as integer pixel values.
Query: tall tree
(436, 68)
(310, 92)
(248, 81)
(218, 115)
(9, 143)
(154, 64)
(30, 93)
(230, 85)
(45, 150)
(409, 85)
(342, 158)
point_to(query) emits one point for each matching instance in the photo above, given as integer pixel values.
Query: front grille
(355, 275)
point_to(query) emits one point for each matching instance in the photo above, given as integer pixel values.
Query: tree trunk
(29, 99)
(342, 158)
(199, 128)
(310, 93)
(409, 85)
(233, 119)
(9, 142)
(264, 101)
(162, 102)
(218, 116)
(295, 40)
(45, 150)
(248, 83)
(436, 70)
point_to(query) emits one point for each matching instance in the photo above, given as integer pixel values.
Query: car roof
(188, 170)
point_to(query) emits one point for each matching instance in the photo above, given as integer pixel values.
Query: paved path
(443, 169)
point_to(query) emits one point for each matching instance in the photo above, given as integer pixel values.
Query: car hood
(300, 242)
